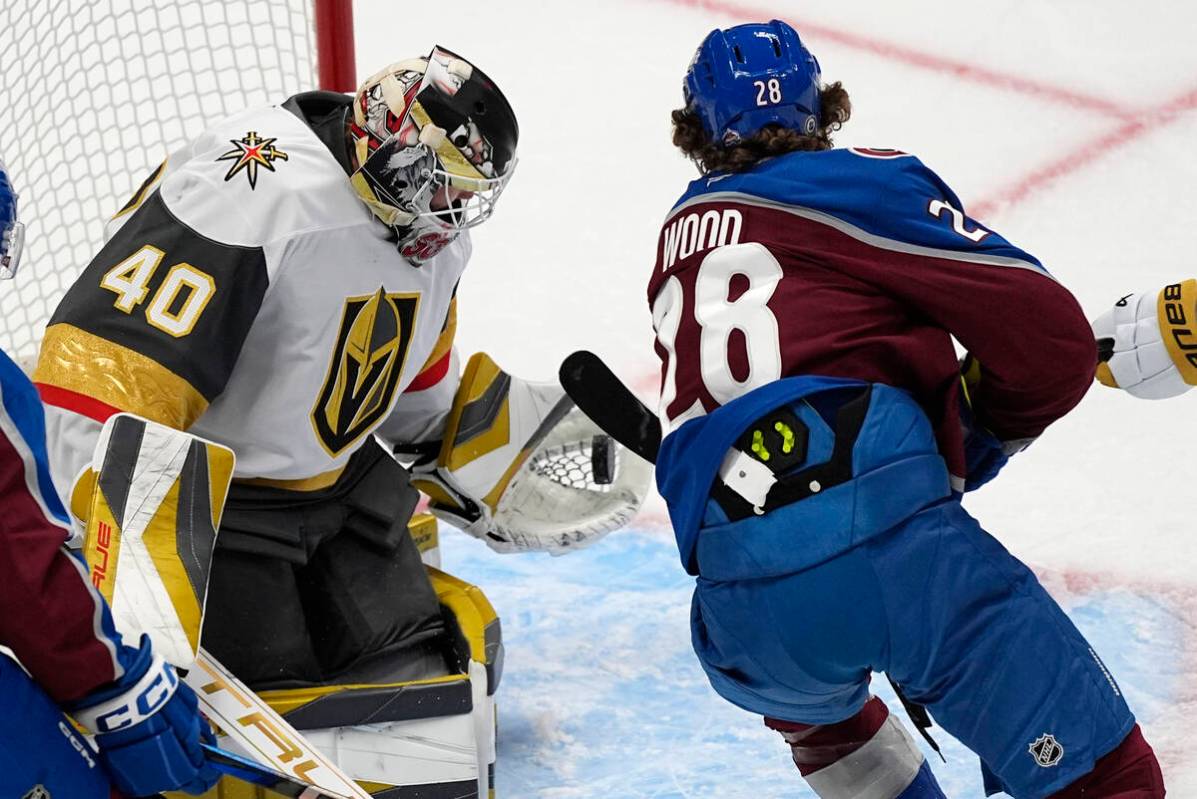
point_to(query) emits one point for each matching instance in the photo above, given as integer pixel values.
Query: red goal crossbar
(335, 59)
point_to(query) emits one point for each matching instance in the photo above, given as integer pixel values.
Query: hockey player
(804, 300)
(144, 719)
(284, 285)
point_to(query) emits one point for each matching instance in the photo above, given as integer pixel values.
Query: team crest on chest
(37, 792)
(248, 154)
(1046, 750)
(363, 373)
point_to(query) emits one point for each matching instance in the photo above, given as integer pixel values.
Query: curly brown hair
(712, 156)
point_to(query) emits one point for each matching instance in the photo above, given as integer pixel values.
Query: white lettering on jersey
(694, 233)
(936, 209)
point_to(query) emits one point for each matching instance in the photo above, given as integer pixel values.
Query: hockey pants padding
(948, 613)
(306, 586)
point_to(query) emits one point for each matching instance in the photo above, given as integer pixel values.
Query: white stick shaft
(262, 732)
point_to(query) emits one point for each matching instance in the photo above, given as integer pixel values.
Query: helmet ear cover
(750, 76)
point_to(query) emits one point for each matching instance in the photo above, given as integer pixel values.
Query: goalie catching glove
(1147, 343)
(524, 470)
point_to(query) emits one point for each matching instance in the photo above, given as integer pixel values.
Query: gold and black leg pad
(417, 723)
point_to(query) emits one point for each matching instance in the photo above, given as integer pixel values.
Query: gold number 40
(130, 280)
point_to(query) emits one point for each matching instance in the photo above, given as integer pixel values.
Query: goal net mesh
(95, 93)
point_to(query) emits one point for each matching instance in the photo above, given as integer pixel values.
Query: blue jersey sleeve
(883, 197)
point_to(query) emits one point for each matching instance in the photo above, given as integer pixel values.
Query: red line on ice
(1148, 121)
(1134, 123)
(917, 58)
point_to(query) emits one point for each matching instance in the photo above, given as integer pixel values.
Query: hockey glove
(522, 469)
(984, 454)
(148, 728)
(1147, 343)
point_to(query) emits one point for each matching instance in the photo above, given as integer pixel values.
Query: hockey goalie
(285, 286)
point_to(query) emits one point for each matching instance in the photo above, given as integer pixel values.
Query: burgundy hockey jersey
(861, 264)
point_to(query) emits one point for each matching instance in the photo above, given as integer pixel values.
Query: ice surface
(602, 696)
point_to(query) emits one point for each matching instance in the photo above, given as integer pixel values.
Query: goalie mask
(434, 140)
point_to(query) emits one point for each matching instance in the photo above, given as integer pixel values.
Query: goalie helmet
(12, 232)
(750, 76)
(434, 141)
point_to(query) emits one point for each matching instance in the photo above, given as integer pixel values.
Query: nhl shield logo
(1046, 750)
(37, 792)
(363, 373)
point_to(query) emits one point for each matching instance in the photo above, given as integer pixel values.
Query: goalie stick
(254, 773)
(610, 404)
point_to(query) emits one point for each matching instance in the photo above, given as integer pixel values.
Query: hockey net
(95, 93)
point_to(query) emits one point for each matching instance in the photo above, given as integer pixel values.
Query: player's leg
(799, 650)
(38, 746)
(867, 755)
(1131, 771)
(977, 639)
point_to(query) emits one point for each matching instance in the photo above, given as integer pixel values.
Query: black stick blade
(601, 395)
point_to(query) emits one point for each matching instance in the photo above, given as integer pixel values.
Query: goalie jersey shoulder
(257, 177)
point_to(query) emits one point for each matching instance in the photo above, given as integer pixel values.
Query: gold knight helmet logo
(372, 343)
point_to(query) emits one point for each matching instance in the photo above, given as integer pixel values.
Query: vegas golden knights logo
(376, 331)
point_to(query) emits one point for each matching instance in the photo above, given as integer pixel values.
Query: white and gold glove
(524, 470)
(1147, 343)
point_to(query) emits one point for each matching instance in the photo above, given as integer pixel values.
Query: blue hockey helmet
(749, 76)
(12, 232)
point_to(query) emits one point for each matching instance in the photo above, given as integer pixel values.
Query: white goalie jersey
(246, 294)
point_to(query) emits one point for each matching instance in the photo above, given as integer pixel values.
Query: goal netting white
(95, 93)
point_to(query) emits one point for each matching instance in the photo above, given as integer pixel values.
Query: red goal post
(95, 93)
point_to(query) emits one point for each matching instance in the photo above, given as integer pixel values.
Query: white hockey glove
(1147, 343)
(522, 469)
